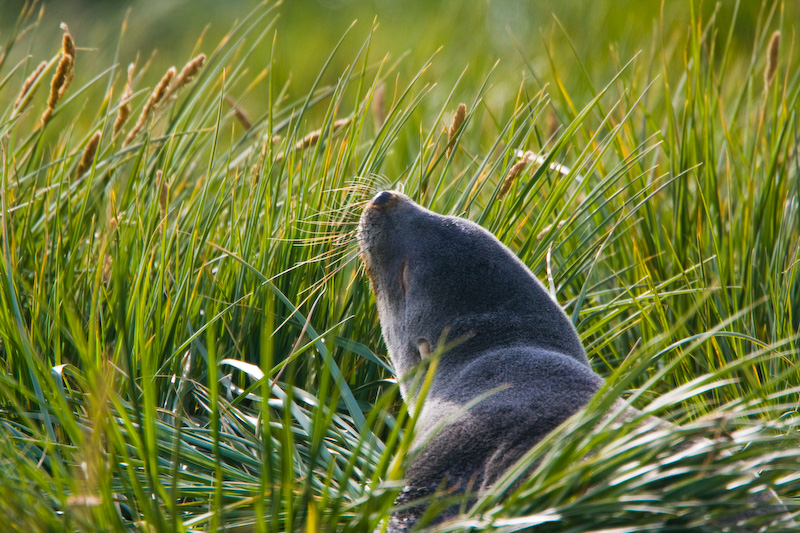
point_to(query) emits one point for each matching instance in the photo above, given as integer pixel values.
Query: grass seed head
(187, 73)
(379, 104)
(772, 58)
(312, 138)
(161, 89)
(125, 105)
(108, 264)
(68, 45)
(542, 234)
(163, 192)
(515, 171)
(458, 121)
(239, 113)
(155, 98)
(26, 87)
(88, 155)
(63, 75)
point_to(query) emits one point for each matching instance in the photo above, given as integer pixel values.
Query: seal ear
(424, 349)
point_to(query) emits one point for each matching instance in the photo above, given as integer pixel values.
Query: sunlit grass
(188, 342)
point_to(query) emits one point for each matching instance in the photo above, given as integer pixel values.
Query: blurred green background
(473, 35)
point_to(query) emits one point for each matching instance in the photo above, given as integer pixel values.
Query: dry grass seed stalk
(187, 73)
(379, 104)
(163, 192)
(155, 98)
(239, 113)
(313, 137)
(23, 97)
(458, 121)
(772, 59)
(125, 105)
(88, 155)
(515, 171)
(63, 75)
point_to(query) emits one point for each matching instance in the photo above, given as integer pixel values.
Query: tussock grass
(188, 342)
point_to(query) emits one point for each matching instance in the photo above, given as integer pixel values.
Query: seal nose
(382, 198)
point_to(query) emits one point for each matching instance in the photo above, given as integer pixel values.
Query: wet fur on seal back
(433, 274)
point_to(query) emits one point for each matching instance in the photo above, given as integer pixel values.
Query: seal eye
(382, 198)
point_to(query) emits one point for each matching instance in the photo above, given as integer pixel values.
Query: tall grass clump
(188, 343)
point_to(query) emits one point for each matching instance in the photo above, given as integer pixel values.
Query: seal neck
(551, 331)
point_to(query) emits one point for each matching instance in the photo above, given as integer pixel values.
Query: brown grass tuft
(163, 192)
(542, 234)
(68, 45)
(379, 104)
(772, 58)
(515, 171)
(155, 98)
(124, 110)
(239, 113)
(108, 264)
(88, 155)
(458, 121)
(63, 75)
(23, 99)
(187, 73)
(313, 137)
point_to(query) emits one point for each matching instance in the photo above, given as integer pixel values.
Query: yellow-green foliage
(188, 342)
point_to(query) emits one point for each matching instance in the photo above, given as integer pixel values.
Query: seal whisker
(345, 209)
(336, 237)
(333, 238)
(327, 223)
(342, 264)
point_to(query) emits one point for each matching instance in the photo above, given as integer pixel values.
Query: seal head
(433, 274)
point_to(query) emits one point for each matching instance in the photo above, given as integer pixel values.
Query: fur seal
(435, 274)
(516, 371)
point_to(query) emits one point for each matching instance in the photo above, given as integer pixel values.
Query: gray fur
(517, 368)
(434, 274)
